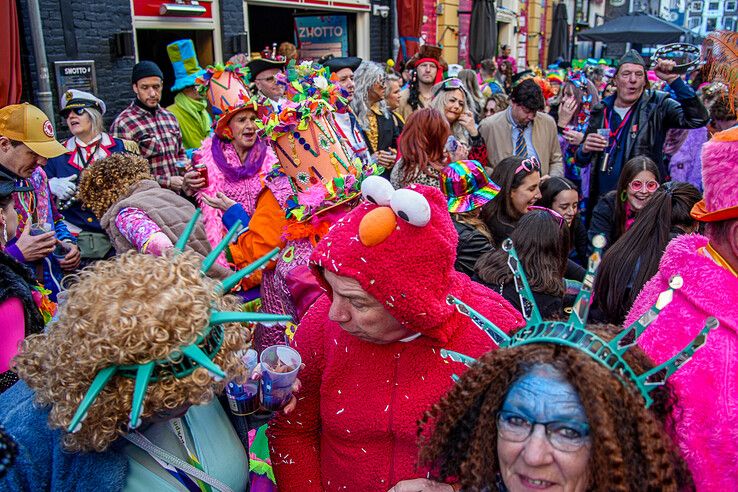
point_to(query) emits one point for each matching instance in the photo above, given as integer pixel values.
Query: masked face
(543, 435)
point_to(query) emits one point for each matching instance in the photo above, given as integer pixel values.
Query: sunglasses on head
(553, 213)
(449, 85)
(638, 185)
(531, 164)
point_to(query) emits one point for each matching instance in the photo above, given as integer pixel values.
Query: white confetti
(386, 408)
(363, 450)
(340, 411)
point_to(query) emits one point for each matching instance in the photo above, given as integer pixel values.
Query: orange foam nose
(377, 225)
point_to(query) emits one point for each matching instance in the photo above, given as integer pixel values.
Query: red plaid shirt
(157, 135)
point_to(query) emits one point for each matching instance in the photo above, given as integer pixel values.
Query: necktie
(521, 149)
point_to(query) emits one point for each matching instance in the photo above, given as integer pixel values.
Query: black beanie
(632, 56)
(145, 69)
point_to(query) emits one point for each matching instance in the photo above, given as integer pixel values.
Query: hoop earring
(623, 196)
(5, 233)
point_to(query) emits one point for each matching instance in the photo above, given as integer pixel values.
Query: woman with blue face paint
(550, 418)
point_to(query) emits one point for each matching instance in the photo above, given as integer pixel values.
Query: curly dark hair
(107, 179)
(529, 95)
(631, 449)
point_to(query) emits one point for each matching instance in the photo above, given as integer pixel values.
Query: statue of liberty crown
(573, 332)
(183, 361)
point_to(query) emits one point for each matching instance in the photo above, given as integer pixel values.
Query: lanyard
(619, 129)
(176, 426)
(178, 468)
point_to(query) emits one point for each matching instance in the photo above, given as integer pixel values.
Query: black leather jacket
(655, 113)
(472, 244)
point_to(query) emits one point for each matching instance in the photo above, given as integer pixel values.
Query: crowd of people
(504, 278)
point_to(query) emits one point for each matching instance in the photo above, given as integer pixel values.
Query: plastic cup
(604, 132)
(40, 228)
(243, 399)
(61, 250)
(280, 365)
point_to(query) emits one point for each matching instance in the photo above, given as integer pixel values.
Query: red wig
(422, 142)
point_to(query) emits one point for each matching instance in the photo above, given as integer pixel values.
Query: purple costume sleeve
(136, 226)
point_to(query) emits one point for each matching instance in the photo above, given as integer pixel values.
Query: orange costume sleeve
(264, 234)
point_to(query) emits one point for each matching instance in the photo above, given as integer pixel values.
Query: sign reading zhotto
(322, 35)
(75, 74)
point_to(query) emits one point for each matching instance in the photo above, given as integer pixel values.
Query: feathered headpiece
(720, 55)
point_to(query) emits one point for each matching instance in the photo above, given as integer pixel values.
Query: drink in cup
(280, 365)
(203, 170)
(243, 399)
(61, 250)
(38, 228)
(604, 133)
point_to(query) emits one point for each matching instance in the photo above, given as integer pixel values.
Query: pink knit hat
(408, 268)
(719, 177)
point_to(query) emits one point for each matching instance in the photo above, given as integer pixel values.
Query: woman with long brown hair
(421, 146)
(634, 258)
(519, 180)
(616, 211)
(542, 242)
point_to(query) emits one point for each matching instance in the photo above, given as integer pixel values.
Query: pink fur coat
(707, 386)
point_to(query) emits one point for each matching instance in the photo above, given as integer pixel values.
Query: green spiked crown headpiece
(573, 332)
(186, 359)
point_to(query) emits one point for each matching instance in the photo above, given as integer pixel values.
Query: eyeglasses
(553, 213)
(449, 85)
(638, 185)
(531, 164)
(568, 437)
(271, 79)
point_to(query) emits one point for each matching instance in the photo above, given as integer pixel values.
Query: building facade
(704, 16)
(93, 46)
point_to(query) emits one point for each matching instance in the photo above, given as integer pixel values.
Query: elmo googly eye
(377, 190)
(411, 207)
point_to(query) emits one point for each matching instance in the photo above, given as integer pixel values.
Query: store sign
(78, 74)
(177, 8)
(321, 35)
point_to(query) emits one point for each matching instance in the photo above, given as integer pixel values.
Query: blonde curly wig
(130, 310)
(108, 179)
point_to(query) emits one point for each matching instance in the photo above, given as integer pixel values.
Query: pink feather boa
(212, 217)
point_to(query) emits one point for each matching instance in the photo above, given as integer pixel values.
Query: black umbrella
(482, 31)
(638, 28)
(558, 46)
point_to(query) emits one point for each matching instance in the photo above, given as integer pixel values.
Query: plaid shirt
(157, 135)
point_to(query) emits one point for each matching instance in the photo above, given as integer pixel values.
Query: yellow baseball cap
(28, 124)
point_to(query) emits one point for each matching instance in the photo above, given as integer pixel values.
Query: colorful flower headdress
(186, 359)
(226, 89)
(573, 332)
(322, 170)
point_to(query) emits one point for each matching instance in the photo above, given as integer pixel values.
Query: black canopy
(636, 27)
(558, 47)
(482, 31)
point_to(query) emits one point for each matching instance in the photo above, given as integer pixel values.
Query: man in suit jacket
(524, 130)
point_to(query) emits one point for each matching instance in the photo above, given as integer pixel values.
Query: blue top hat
(184, 60)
